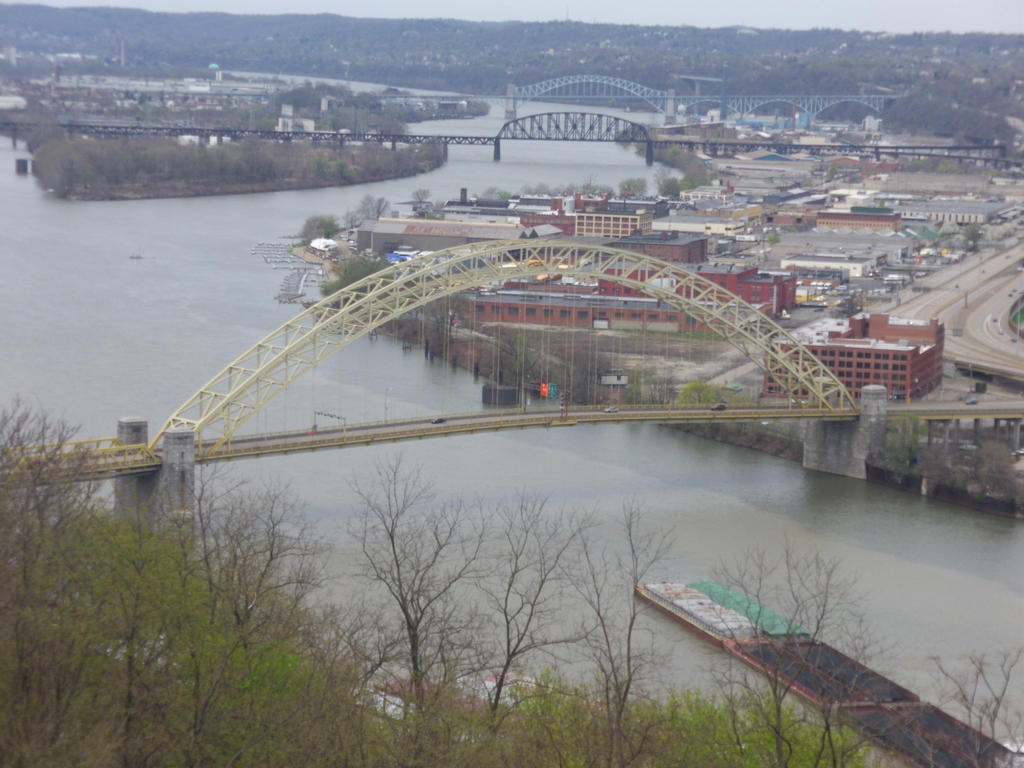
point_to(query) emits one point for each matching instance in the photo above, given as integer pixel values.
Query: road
(487, 421)
(974, 300)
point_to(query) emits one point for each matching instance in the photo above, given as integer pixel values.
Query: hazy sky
(876, 15)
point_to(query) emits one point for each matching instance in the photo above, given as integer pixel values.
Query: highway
(974, 300)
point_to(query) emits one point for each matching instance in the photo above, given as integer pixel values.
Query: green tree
(903, 437)
(351, 271)
(319, 226)
(698, 393)
(633, 187)
(972, 236)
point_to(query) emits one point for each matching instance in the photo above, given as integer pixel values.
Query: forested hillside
(962, 83)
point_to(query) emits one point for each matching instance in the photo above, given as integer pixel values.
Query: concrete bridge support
(173, 485)
(132, 492)
(842, 447)
(510, 102)
(670, 107)
(176, 480)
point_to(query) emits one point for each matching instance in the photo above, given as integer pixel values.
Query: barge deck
(892, 716)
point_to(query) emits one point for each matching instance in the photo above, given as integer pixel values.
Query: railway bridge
(551, 126)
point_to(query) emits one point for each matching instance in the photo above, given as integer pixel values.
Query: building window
(513, 310)
(563, 313)
(531, 311)
(581, 314)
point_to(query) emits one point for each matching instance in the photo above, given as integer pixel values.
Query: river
(93, 335)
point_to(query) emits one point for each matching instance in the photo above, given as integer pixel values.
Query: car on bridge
(438, 420)
(718, 407)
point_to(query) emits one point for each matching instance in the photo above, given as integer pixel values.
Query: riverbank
(777, 441)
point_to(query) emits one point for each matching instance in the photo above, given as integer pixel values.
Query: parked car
(718, 407)
(970, 400)
(611, 409)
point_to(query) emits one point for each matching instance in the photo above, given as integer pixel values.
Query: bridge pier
(842, 447)
(649, 153)
(173, 485)
(670, 107)
(497, 150)
(133, 492)
(176, 479)
(510, 102)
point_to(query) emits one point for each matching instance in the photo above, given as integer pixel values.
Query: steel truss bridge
(594, 87)
(220, 409)
(551, 126)
(217, 413)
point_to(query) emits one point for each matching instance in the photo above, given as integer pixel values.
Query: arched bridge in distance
(213, 419)
(575, 126)
(590, 88)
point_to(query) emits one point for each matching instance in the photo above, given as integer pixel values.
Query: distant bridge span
(232, 397)
(575, 126)
(571, 126)
(592, 87)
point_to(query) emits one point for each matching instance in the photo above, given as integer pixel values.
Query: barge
(885, 712)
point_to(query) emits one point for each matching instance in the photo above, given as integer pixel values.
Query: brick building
(610, 224)
(557, 218)
(770, 292)
(576, 310)
(901, 354)
(877, 219)
(667, 246)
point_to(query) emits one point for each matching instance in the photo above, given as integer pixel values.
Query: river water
(92, 335)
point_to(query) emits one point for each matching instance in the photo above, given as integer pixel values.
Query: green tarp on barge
(766, 620)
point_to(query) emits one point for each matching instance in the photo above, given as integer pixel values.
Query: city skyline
(901, 16)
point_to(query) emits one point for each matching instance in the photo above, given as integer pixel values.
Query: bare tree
(522, 587)
(613, 642)
(422, 555)
(796, 603)
(981, 696)
(372, 208)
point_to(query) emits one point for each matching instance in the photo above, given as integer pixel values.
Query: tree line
(159, 637)
(975, 75)
(131, 168)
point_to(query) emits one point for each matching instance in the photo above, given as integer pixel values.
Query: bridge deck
(490, 421)
(98, 459)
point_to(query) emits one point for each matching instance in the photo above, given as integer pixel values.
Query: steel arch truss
(573, 126)
(591, 86)
(218, 410)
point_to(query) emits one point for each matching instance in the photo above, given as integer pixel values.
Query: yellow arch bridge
(211, 420)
